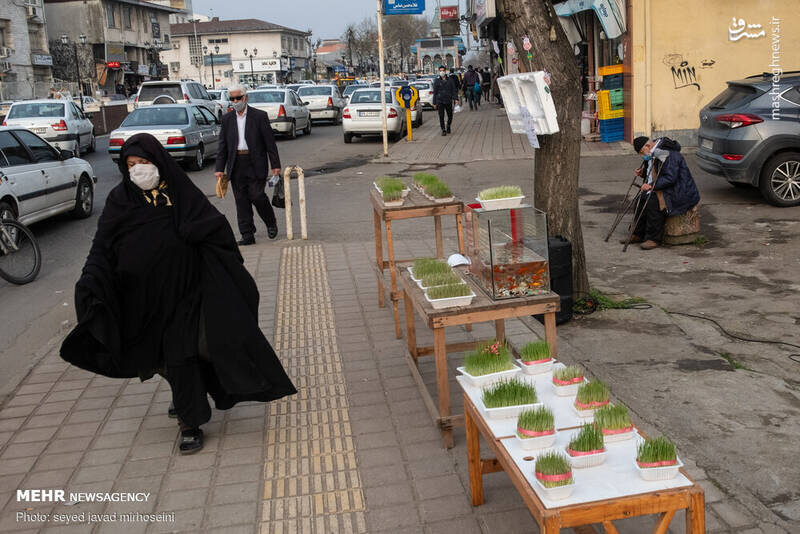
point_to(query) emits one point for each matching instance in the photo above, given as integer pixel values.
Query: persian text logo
(775, 65)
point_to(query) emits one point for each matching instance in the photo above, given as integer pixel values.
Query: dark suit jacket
(260, 143)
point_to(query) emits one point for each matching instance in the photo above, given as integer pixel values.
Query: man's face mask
(442, 73)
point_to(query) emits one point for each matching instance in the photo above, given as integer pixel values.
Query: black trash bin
(560, 257)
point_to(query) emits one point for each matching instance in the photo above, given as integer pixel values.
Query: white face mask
(239, 105)
(145, 176)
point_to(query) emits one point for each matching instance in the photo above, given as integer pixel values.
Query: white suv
(183, 92)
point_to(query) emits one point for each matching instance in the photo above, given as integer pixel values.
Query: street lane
(37, 314)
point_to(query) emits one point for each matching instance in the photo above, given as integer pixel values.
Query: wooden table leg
(610, 528)
(550, 333)
(393, 275)
(552, 525)
(474, 458)
(663, 524)
(696, 513)
(376, 219)
(460, 230)
(500, 330)
(411, 331)
(442, 382)
(437, 226)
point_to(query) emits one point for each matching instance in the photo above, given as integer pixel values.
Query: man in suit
(246, 150)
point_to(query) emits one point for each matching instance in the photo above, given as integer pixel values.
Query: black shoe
(272, 231)
(191, 441)
(172, 413)
(448, 130)
(444, 132)
(243, 242)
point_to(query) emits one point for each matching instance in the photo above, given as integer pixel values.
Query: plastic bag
(457, 108)
(279, 196)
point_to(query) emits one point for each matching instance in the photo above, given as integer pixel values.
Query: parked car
(362, 116)
(38, 181)
(295, 86)
(425, 93)
(286, 112)
(189, 132)
(324, 102)
(750, 134)
(350, 89)
(60, 122)
(308, 82)
(184, 92)
(221, 96)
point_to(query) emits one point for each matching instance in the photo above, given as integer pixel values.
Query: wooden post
(550, 333)
(663, 524)
(473, 456)
(696, 513)
(500, 330)
(301, 190)
(437, 226)
(287, 187)
(411, 330)
(383, 83)
(393, 275)
(460, 231)
(376, 220)
(443, 384)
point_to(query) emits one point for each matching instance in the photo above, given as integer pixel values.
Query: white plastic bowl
(405, 190)
(393, 203)
(507, 412)
(443, 200)
(567, 391)
(535, 369)
(453, 302)
(501, 203)
(487, 380)
(589, 460)
(658, 473)
(557, 493)
(539, 442)
(623, 436)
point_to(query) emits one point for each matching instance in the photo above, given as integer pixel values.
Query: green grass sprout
(553, 463)
(658, 450)
(423, 179)
(427, 266)
(384, 181)
(537, 420)
(493, 357)
(440, 279)
(588, 439)
(503, 191)
(593, 392)
(513, 392)
(438, 190)
(568, 373)
(612, 417)
(449, 291)
(535, 351)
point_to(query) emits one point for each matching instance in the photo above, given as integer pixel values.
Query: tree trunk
(558, 160)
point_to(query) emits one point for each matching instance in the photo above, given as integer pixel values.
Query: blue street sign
(403, 7)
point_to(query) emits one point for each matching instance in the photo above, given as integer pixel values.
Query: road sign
(407, 96)
(449, 12)
(403, 7)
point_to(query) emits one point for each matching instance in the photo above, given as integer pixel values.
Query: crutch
(641, 213)
(625, 206)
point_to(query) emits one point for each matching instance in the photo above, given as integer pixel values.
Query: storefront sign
(486, 11)
(113, 64)
(449, 12)
(403, 7)
(610, 13)
(42, 60)
(259, 65)
(156, 30)
(221, 59)
(143, 70)
(115, 52)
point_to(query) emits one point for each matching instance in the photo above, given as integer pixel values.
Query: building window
(218, 41)
(126, 17)
(110, 8)
(4, 37)
(195, 50)
(166, 38)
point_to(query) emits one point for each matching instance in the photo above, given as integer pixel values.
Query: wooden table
(482, 309)
(552, 520)
(415, 206)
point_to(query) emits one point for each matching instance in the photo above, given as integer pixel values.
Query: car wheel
(293, 131)
(93, 142)
(348, 138)
(196, 163)
(307, 129)
(84, 199)
(780, 180)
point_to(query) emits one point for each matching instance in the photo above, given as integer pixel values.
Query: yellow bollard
(408, 122)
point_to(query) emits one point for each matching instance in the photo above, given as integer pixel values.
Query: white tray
(454, 302)
(443, 200)
(567, 391)
(501, 203)
(555, 494)
(405, 190)
(540, 442)
(613, 438)
(584, 414)
(591, 460)
(487, 380)
(393, 203)
(507, 412)
(535, 369)
(658, 473)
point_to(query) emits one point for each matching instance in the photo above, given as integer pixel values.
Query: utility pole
(383, 86)
(441, 41)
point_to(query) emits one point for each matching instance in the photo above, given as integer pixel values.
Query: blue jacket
(675, 180)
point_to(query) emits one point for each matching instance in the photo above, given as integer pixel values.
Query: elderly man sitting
(666, 174)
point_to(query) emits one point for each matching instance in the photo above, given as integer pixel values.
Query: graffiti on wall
(739, 29)
(683, 74)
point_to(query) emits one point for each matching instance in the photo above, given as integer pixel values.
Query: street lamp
(65, 41)
(213, 77)
(252, 73)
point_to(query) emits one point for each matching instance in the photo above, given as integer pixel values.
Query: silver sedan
(190, 133)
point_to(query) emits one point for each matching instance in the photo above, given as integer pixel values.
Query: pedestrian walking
(164, 291)
(470, 81)
(486, 83)
(445, 95)
(456, 83)
(246, 150)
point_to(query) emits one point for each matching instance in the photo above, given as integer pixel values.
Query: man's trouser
(470, 94)
(445, 108)
(248, 191)
(652, 221)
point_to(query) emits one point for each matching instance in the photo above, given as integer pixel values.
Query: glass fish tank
(508, 251)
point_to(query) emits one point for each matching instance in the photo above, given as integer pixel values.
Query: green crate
(615, 95)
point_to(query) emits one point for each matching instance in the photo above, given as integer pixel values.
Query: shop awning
(611, 13)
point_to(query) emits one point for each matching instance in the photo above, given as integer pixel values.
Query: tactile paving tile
(312, 482)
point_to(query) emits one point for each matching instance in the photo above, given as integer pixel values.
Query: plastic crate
(613, 137)
(612, 125)
(603, 101)
(613, 81)
(616, 97)
(610, 69)
(613, 114)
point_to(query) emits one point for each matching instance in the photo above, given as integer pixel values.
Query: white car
(38, 181)
(60, 122)
(350, 89)
(362, 116)
(181, 92)
(425, 93)
(308, 82)
(323, 101)
(286, 112)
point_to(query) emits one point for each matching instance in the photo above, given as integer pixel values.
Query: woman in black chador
(164, 290)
